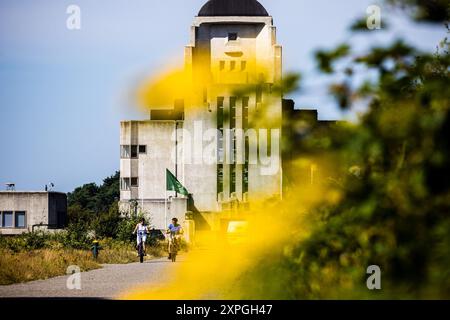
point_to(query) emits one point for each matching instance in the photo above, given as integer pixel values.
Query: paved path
(110, 282)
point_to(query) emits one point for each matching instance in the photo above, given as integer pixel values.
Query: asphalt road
(110, 282)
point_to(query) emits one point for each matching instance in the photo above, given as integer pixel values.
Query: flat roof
(31, 192)
(150, 121)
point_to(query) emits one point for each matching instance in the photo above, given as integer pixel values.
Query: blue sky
(63, 93)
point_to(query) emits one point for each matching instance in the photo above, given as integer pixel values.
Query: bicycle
(173, 247)
(140, 248)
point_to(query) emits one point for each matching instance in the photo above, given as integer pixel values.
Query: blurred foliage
(433, 11)
(289, 83)
(126, 228)
(391, 172)
(361, 25)
(325, 59)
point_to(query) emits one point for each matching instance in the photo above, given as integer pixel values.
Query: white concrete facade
(236, 52)
(22, 212)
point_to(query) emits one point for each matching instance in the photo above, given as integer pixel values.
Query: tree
(95, 208)
(393, 170)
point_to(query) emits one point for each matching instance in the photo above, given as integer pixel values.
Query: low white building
(235, 42)
(25, 211)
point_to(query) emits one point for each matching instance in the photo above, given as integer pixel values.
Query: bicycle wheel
(141, 252)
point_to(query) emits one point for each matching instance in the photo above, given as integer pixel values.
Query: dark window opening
(232, 36)
(259, 94)
(134, 182)
(232, 179)
(245, 179)
(219, 178)
(220, 120)
(233, 126)
(247, 150)
(134, 151)
(142, 149)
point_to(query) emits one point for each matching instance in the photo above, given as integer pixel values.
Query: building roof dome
(251, 8)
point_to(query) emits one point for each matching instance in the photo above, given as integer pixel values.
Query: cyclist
(141, 230)
(174, 231)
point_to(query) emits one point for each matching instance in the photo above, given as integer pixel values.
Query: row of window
(13, 219)
(232, 112)
(132, 151)
(233, 169)
(220, 126)
(127, 183)
(233, 65)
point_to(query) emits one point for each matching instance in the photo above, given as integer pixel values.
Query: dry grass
(23, 266)
(41, 264)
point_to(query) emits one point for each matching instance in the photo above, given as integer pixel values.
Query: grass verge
(24, 266)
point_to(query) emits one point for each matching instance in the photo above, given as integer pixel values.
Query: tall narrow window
(245, 102)
(233, 127)
(134, 152)
(219, 178)
(245, 178)
(259, 94)
(125, 184)
(220, 121)
(232, 179)
(222, 65)
(232, 112)
(243, 65)
(220, 142)
(7, 219)
(220, 112)
(20, 221)
(125, 152)
(232, 65)
(220, 152)
(134, 182)
(245, 126)
(233, 146)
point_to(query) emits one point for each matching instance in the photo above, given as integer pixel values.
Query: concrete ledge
(227, 19)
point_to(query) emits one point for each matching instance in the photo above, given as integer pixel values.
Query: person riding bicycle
(174, 231)
(141, 230)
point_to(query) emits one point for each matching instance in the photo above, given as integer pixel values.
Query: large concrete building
(30, 211)
(234, 59)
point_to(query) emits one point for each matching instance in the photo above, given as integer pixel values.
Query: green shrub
(106, 225)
